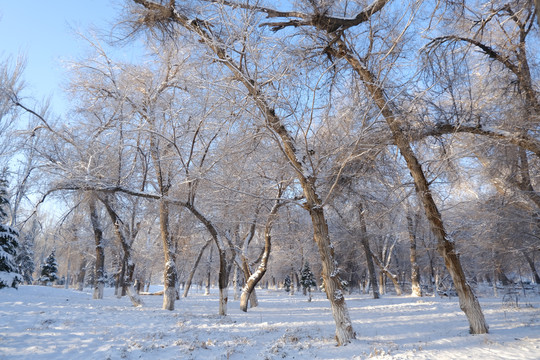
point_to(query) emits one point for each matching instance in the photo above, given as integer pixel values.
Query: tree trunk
(208, 273)
(530, 261)
(223, 275)
(130, 272)
(223, 282)
(99, 280)
(383, 263)
(250, 297)
(81, 275)
(384, 270)
(236, 280)
(501, 276)
(68, 272)
(369, 257)
(128, 267)
(416, 289)
(169, 273)
(332, 285)
(254, 278)
(119, 289)
(292, 284)
(194, 268)
(445, 246)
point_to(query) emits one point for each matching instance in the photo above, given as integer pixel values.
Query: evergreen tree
(49, 270)
(9, 243)
(4, 202)
(25, 261)
(8, 250)
(307, 280)
(287, 283)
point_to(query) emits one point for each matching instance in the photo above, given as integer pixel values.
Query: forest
(348, 146)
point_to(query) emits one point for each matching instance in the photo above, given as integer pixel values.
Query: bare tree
(341, 47)
(162, 16)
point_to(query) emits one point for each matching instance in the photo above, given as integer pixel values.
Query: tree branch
(321, 21)
(524, 141)
(488, 50)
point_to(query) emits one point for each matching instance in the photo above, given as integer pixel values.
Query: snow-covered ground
(39, 322)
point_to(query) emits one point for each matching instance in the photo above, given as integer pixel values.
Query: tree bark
(382, 283)
(530, 261)
(81, 275)
(332, 285)
(99, 281)
(163, 182)
(223, 282)
(223, 274)
(369, 257)
(416, 289)
(128, 266)
(208, 274)
(120, 277)
(254, 278)
(236, 280)
(389, 274)
(252, 297)
(194, 268)
(169, 273)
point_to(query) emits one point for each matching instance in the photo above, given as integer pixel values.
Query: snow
(9, 278)
(38, 322)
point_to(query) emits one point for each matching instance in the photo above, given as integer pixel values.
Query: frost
(335, 272)
(338, 295)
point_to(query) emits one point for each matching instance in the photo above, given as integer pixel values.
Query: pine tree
(9, 243)
(307, 280)
(287, 283)
(49, 270)
(4, 202)
(8, 250)
(25, 261)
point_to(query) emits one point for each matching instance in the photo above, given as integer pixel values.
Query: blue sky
(44, 30)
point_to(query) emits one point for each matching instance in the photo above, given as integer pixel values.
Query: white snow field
(38, 322)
